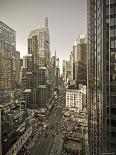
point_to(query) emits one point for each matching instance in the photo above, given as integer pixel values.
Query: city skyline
(30, 15)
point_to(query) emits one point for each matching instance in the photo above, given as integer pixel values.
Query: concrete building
(7, 38)
(7, 71)
(101, 84)
(21, 62)
(38, 82)
(16, 55)
(66, 71)
(23, 73)
(73, 99)
(83, 90)
(7, 59)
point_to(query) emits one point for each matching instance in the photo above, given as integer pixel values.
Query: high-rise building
(16, 55)
(101, 79)
(7, 38)
(7, 60)
(66, 71)
(38, 83)
(7, 71)
(79, 60)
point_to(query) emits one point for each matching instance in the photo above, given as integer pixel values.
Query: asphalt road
(45, 142)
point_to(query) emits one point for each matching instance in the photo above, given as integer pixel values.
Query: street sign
(22, 105)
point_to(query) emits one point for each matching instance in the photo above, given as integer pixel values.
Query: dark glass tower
(101, 82)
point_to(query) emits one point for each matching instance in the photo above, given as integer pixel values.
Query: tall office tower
(101, 79)
(7, 71)
(63, 69)
(7, 38)
(66, 71)
(16, 55)
(37, 91)
(79, 60)
(7, 62)
(72, 65)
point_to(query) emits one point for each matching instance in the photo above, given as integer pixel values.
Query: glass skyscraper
(101, 78)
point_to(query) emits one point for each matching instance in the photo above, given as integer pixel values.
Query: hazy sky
(67, 20)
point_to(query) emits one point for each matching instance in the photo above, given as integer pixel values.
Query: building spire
(46, 22)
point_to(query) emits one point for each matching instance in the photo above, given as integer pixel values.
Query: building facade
(101, 78)
(7, 38)
(79, 60)
(7, 71)
(66, 71)
(38, 83)
(7, 60)
(73, 99)
(16, 55)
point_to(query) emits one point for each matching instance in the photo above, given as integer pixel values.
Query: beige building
(73, 99)
(7, 71)
(76, 98)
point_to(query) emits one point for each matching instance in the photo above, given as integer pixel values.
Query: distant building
(23, 73)
(66, 71)
(78, 60)
(16, 56)
(37, 64)
(73, 99)
(76, 98)
(21, 62)
(83, 90)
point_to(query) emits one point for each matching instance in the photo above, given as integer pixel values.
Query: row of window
(110, 2)
(113, 33)
(113, 43)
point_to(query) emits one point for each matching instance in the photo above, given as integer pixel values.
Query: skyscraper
(79, 60)
(7, 71)
(37, 67)
(7, 38)
(16, 55)
(101, 79)
(7, 61)
(66, 70)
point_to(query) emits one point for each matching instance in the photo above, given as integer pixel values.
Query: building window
(112, 22)
(113, 123)
(112, 1)
(112, 44)
(112, 33)
(111, 11)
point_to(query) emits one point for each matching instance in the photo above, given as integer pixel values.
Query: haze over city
(67, 20)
